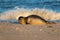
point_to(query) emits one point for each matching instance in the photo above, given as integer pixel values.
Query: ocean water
(12, 9)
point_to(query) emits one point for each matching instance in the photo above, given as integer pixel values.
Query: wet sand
(13, 31)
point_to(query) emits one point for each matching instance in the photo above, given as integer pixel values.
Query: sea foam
(16, 12)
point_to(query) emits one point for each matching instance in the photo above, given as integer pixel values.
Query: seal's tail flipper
(51, 22)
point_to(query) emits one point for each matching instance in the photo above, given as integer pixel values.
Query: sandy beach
(14, 31)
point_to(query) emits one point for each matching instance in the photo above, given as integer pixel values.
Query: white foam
(14, 14)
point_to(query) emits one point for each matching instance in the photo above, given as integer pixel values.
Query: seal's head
(22, 20)
(20, 17)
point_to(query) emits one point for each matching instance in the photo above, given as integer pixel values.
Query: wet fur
(33, 19)
(37, 17)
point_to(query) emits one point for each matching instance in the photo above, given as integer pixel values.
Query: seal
(33, 20)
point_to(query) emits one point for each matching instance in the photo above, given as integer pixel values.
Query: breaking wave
(16, 12)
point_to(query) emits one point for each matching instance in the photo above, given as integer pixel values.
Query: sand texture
(13, 31)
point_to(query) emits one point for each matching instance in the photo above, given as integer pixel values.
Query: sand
(15, 31)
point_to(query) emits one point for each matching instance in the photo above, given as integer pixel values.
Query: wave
(16, 12)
